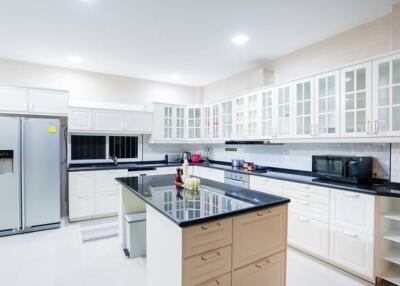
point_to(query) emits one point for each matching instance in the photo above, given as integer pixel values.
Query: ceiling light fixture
(176, 77)
(75, 59)
(240, 40)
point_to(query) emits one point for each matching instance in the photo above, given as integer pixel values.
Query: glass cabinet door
(194, 122)
(215, 121)
(304, 108)
(240, 113)
(252, 115)
(327, 102)
(386, 99)
(267, 127)
(356, 101)
(226, 124)
(167, 122)
(207, 122)
(284, 114)
(180, 123)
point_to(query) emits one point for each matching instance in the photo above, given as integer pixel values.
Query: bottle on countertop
(178, 178)
(185, 167)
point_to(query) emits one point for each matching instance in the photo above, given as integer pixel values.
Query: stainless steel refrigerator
(29, 174)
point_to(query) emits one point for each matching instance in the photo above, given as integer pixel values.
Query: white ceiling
(154, 39)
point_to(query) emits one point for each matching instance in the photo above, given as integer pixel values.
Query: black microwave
(348, 169)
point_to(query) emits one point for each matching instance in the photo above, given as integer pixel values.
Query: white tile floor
(59, 258)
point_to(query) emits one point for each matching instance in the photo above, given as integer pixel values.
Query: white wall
(299, 156)
(91, 86)
(365, 41)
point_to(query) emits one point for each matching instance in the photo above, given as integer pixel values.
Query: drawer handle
(261, 214)
(304, 203)
(306, 187)
(260, 265)
(351, 195)
(212, 255)
(306, 195)
(213, 283)
(304, 219)
(204, 227)
(350, 233)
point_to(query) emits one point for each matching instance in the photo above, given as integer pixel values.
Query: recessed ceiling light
(75, 59)
(240, 40)
(176, 77)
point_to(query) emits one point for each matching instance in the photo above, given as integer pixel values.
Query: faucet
(115, 159)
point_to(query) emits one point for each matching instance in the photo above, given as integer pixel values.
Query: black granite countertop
(388, 189)
(212, 201)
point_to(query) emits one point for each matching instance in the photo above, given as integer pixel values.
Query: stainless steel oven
(237, 179)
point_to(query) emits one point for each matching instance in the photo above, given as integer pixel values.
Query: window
(84, 147)
(123, 147)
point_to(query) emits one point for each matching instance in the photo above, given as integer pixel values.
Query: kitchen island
(217, 235)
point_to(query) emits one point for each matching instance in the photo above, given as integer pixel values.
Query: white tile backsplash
(395, 169)
(299, 156)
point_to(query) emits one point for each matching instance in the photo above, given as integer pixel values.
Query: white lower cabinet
(266, 185)
(94, 193)
(309, 235)
(81, 206)
(353, 251)
(208, 173)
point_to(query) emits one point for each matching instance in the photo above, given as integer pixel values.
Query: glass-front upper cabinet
(252, 116)
(356, 112)
(215, 121)
(268, 129)
(283, 111)
(386, 98)
(303, 108)
(168, 119)
(327, 102)
(194, 122)
(226, 123)
(180, 123)
(207, 126)
(240, 117)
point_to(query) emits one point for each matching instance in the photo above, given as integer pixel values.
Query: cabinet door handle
(351, 195)
(83, 196)
(350, 233)
(206, 227)
(376, 127)
(306, 195)
(211, 255)
(304, 203)
(302, 218)
(213, 283)
(262, 214)
(262, 264)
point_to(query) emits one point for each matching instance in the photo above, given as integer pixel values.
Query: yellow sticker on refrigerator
(52, 129)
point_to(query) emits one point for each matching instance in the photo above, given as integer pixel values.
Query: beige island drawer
(266, 272)
(206, 266)
(224, 280)
(207, 236)
(258, 235)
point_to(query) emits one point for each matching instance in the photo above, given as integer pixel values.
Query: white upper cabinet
(268, 129)
(226, 119)
(283, 111)
(80, 119)
(240, 117)
(253, 122)
(108, 120)
(13, 98)
(180, 123)
(207, 126)
(194, 122)
(169, 122)
(138, 121)
(327, 105)
(386, 98)
(216, 121)
(48, 101)
(356, 101)
(33, 100)
(303, 103)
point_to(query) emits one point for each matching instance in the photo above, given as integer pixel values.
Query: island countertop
(212, 201)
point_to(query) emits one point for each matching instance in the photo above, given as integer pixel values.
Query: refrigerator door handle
(22, 150)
